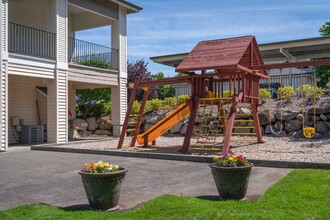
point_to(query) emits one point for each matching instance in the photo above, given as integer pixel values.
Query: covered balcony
(34, 42)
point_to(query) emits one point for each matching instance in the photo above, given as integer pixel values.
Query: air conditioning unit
(32, 134)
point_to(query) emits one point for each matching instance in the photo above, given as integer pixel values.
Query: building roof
(220, 54)
(131, 8)
(301, 49)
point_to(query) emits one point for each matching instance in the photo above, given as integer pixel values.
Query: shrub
(264, 94)
(95, 62)
(182, 99)
(169, 103)
(327, 85)
(107, 108)
(154, 105)
(136, 107)
(286, 92)
(307, 90)
(227, 93)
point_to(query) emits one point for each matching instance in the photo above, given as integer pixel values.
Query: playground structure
(236, 61)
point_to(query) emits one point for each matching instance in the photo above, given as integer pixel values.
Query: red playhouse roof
(222, 54)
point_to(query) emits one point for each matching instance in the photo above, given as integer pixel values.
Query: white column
(119, 93)
(4, 76)
(58, 88)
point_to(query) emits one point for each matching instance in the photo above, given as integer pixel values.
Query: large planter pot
(103, 189)
(231, 182)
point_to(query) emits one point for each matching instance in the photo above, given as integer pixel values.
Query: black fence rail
(31, 41)
(90, 54)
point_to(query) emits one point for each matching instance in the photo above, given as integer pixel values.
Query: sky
(175, 26)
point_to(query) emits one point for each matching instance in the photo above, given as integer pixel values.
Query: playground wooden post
(257, 122)
(138, 124)
(128, 112)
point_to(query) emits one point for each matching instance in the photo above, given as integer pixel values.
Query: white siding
(4, 25)
(119, 105)
(123, 39)
(3, 105)
(22, 96)
(58, 107)
(29, 70)
(92, 75)
(62, 31)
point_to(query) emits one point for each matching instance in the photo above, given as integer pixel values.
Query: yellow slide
(166, 123)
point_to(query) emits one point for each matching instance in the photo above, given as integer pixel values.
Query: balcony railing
(31, 41)
(89, 54)
(39, 43)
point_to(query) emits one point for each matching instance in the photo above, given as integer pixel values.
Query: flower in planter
(99, 167)
(230, 160)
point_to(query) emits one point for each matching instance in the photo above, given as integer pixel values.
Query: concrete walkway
(29, 177)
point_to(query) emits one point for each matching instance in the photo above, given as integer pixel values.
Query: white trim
(123, 75)
(62, 66)
(4, 55)
(126, 6)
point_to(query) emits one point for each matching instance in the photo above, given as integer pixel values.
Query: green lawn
(303, 194)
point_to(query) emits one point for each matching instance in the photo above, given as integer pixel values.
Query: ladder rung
(236, 133)
(132, 123)
(243, 140)
(133, 129)
(243, 120)
(243, 127)
(134, 115)
(202, 148)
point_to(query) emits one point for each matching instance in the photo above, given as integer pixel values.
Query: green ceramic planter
(103, 189)
(231, 182)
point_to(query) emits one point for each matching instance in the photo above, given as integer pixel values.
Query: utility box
(32, 134)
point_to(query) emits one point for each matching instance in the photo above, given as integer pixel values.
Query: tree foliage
(323, 72)
(92, 102)
(139, 68)
(165, 91)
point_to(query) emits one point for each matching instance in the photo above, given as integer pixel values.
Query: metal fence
(31, 41)
(86, 53)
(294, 80)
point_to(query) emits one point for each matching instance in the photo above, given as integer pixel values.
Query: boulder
(328, 134)
(104, 122)
(147, 127)
(278, 125)
(298, 134)
(322, 107)
(324, 117)
(264, 117)
(291, 134)
(283, 133)
(184, 129)
(85, 133)
(299, 117)
(244, 113)
(293, 125)
(287, 115)
(92, 123)
(151, 118)
(102, 132)
(322, 127)
(73, 134)
(317, 136)
(267, 130)
(78, 124)
(160, 114)
(176, 129)
(309, 120)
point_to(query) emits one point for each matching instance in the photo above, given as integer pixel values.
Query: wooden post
(138, 124)
(256, 122)
(128, 112)
(191, 122)
(230, 124)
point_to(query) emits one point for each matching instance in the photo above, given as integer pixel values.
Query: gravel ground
(286, 149)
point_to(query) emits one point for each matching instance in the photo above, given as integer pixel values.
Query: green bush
(227, 93)
(286, 92)
(107, 108)
(95, 62)
(136, 107)
(182, 99)
(327, 85)
(307, 90)
(264, 94)
(154, 105)
(169, 103)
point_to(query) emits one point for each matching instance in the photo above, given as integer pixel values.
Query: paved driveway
(29, 177)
